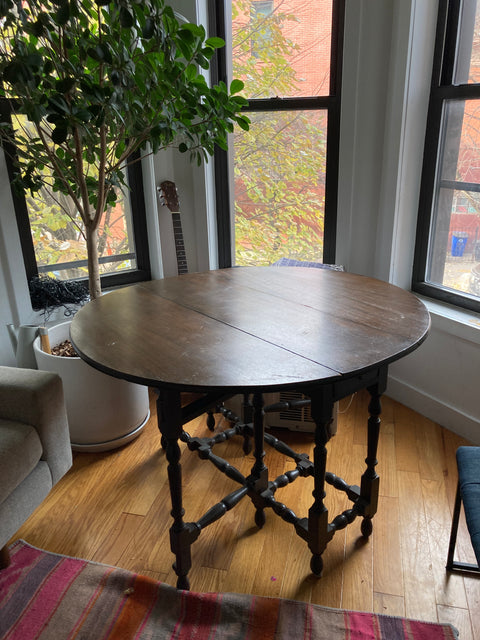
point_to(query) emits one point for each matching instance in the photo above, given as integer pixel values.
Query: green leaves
(63, 14)
(65, 84)
(126, 18)
(60, 133)
(148, 28)
(215, 43)
(97, 80)
(236, 86)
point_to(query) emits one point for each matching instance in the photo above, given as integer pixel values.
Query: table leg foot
(210, 421)
(316, 565)
(260, 518)
(182, 582)
(366, 527)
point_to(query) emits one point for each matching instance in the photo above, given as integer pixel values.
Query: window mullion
(460, 186)
(289, 104)
(457, 92)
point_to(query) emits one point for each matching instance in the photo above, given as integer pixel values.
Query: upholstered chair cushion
(20, 451)
(35, 449)
(35, 398)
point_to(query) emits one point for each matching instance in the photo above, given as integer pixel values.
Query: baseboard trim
(443, 414)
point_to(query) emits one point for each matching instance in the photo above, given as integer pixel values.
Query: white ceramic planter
(103, 412)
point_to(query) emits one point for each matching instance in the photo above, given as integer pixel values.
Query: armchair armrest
(36, 398)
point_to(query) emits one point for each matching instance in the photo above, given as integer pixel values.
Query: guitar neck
(182, 266)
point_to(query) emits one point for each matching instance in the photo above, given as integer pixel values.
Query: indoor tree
(92, 82)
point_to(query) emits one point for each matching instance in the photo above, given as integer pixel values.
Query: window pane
(58, 239)
(467, 65)
(461, 152)
(454, 251)
(282, 47)
(280, 187)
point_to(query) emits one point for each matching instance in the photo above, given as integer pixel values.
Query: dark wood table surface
(251, 327)
(252, 330)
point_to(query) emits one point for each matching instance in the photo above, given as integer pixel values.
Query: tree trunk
(94, 285)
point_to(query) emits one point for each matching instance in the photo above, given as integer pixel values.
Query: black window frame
(442, 90)
(331, 104)
(142, 271)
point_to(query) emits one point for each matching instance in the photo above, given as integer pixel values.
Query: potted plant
(103, 412)
(93, 82)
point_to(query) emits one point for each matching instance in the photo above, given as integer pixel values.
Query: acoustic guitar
(168, 196)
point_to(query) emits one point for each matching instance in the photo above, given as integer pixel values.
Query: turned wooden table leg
(370, 484)
(259, 475)
(318, 528)
(247, 417)
(181, 534)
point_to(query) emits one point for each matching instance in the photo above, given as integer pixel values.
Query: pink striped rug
(53, 597)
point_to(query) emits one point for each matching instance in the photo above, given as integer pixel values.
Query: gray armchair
(35, 447)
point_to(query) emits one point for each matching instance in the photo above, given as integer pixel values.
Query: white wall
(440, 380)
(387, 66)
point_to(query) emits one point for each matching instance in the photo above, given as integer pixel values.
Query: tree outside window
(56, 229)
(260, 12)
(282, 50)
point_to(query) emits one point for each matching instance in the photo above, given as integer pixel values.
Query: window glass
(262, 35)
(282, 48)
(455, 231)
(280, 187)
(60, 248)
(467, 63)
(447, 252)
(56, 228)
(461, 152)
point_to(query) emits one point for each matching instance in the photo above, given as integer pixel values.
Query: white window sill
(455, 321)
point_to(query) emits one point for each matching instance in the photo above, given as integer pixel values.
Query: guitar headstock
(167, 193)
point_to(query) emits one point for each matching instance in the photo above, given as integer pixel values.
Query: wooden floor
(114, 508)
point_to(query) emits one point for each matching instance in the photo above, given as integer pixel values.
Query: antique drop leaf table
(249, 331)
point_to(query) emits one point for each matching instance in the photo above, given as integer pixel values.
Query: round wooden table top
(249, 328)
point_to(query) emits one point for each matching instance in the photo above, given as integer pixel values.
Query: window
(283, 171)
(447, 254)
(53, 245)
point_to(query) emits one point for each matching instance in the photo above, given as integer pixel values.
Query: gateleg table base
(315, 529)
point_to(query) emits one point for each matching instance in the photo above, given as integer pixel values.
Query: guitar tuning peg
(161, 196)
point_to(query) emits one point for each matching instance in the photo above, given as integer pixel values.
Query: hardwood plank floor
(114, 508)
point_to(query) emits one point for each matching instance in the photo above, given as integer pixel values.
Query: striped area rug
(53, 597)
